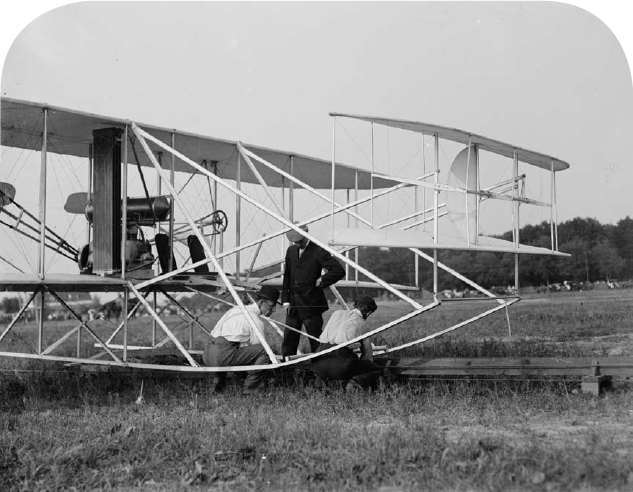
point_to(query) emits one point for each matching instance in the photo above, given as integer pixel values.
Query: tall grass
(88, 433)
(575, 325)
(68, 430)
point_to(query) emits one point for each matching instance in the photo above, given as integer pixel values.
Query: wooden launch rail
(513, 366)
(596, 373)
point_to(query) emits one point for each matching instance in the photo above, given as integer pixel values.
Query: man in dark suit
(303, 284)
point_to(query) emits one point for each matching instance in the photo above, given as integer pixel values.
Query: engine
(138, 254)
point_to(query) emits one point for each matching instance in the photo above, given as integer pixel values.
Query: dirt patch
(559, 434)
(614, 345)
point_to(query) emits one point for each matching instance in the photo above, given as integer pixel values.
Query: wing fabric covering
(70, 133)
(462, 207)
(457, 232)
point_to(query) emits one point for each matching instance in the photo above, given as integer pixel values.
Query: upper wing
(70, 133)
(543, 161)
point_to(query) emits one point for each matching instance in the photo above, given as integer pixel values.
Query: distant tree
(622, 239)
(575, 267)
(540, 269)
(590, 244)
(588, 230)
(462, 261)
(394, 265)
(578, 237)
(608, 263)
(494, 269)
(533, 234)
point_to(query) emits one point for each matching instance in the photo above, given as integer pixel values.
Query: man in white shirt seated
(235, 343)
(344, 364)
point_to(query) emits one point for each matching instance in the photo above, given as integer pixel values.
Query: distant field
(63, 430)
(581, 324)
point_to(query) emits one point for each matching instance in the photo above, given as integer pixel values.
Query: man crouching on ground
(344, 364)
(235, 343)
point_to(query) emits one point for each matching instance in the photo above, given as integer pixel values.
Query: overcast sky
(545, 76)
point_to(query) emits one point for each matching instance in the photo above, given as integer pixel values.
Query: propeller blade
(76, 203)
(7, 193)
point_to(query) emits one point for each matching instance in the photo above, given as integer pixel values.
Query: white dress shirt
(342, 326)
(235, 327)
(301, 250)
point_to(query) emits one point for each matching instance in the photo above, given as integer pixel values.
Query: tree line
(599, 252)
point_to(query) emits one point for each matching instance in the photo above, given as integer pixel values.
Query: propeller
(76, 203)
(7, 194)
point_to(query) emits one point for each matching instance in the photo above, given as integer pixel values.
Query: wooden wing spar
(143, 245)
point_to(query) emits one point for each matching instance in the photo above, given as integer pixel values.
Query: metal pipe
(127, 316)
(282, 248)
(159, 158)
(124, 196)
(262, 182)
(515, 173)
(333, 168)
(416, 260)
(466, 197)
(153, 313)
(43, 169)
(291, 189)
(478, 196)
(142, 135)
(348, 226)
(40, 323)
(436, 196)
(451, 328)
(79, 341)
(291, 201)
(371, 179)
(238, 214)
(19, 314)
(307, 187)
(89, 194)
(423, 173)
(172, 176)
(356, 252)
(83, 323)
(217, 246)
(555, 213)
(154, 303)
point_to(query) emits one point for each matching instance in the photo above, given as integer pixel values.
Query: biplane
(215, 220)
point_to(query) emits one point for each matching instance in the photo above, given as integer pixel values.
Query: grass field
(61, 430)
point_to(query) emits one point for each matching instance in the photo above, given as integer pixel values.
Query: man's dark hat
(269, 293)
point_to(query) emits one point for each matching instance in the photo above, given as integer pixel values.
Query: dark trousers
(344, 364)
(313, 326)
(219, 352)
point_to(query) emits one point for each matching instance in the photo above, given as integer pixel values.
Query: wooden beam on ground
(511, 366)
